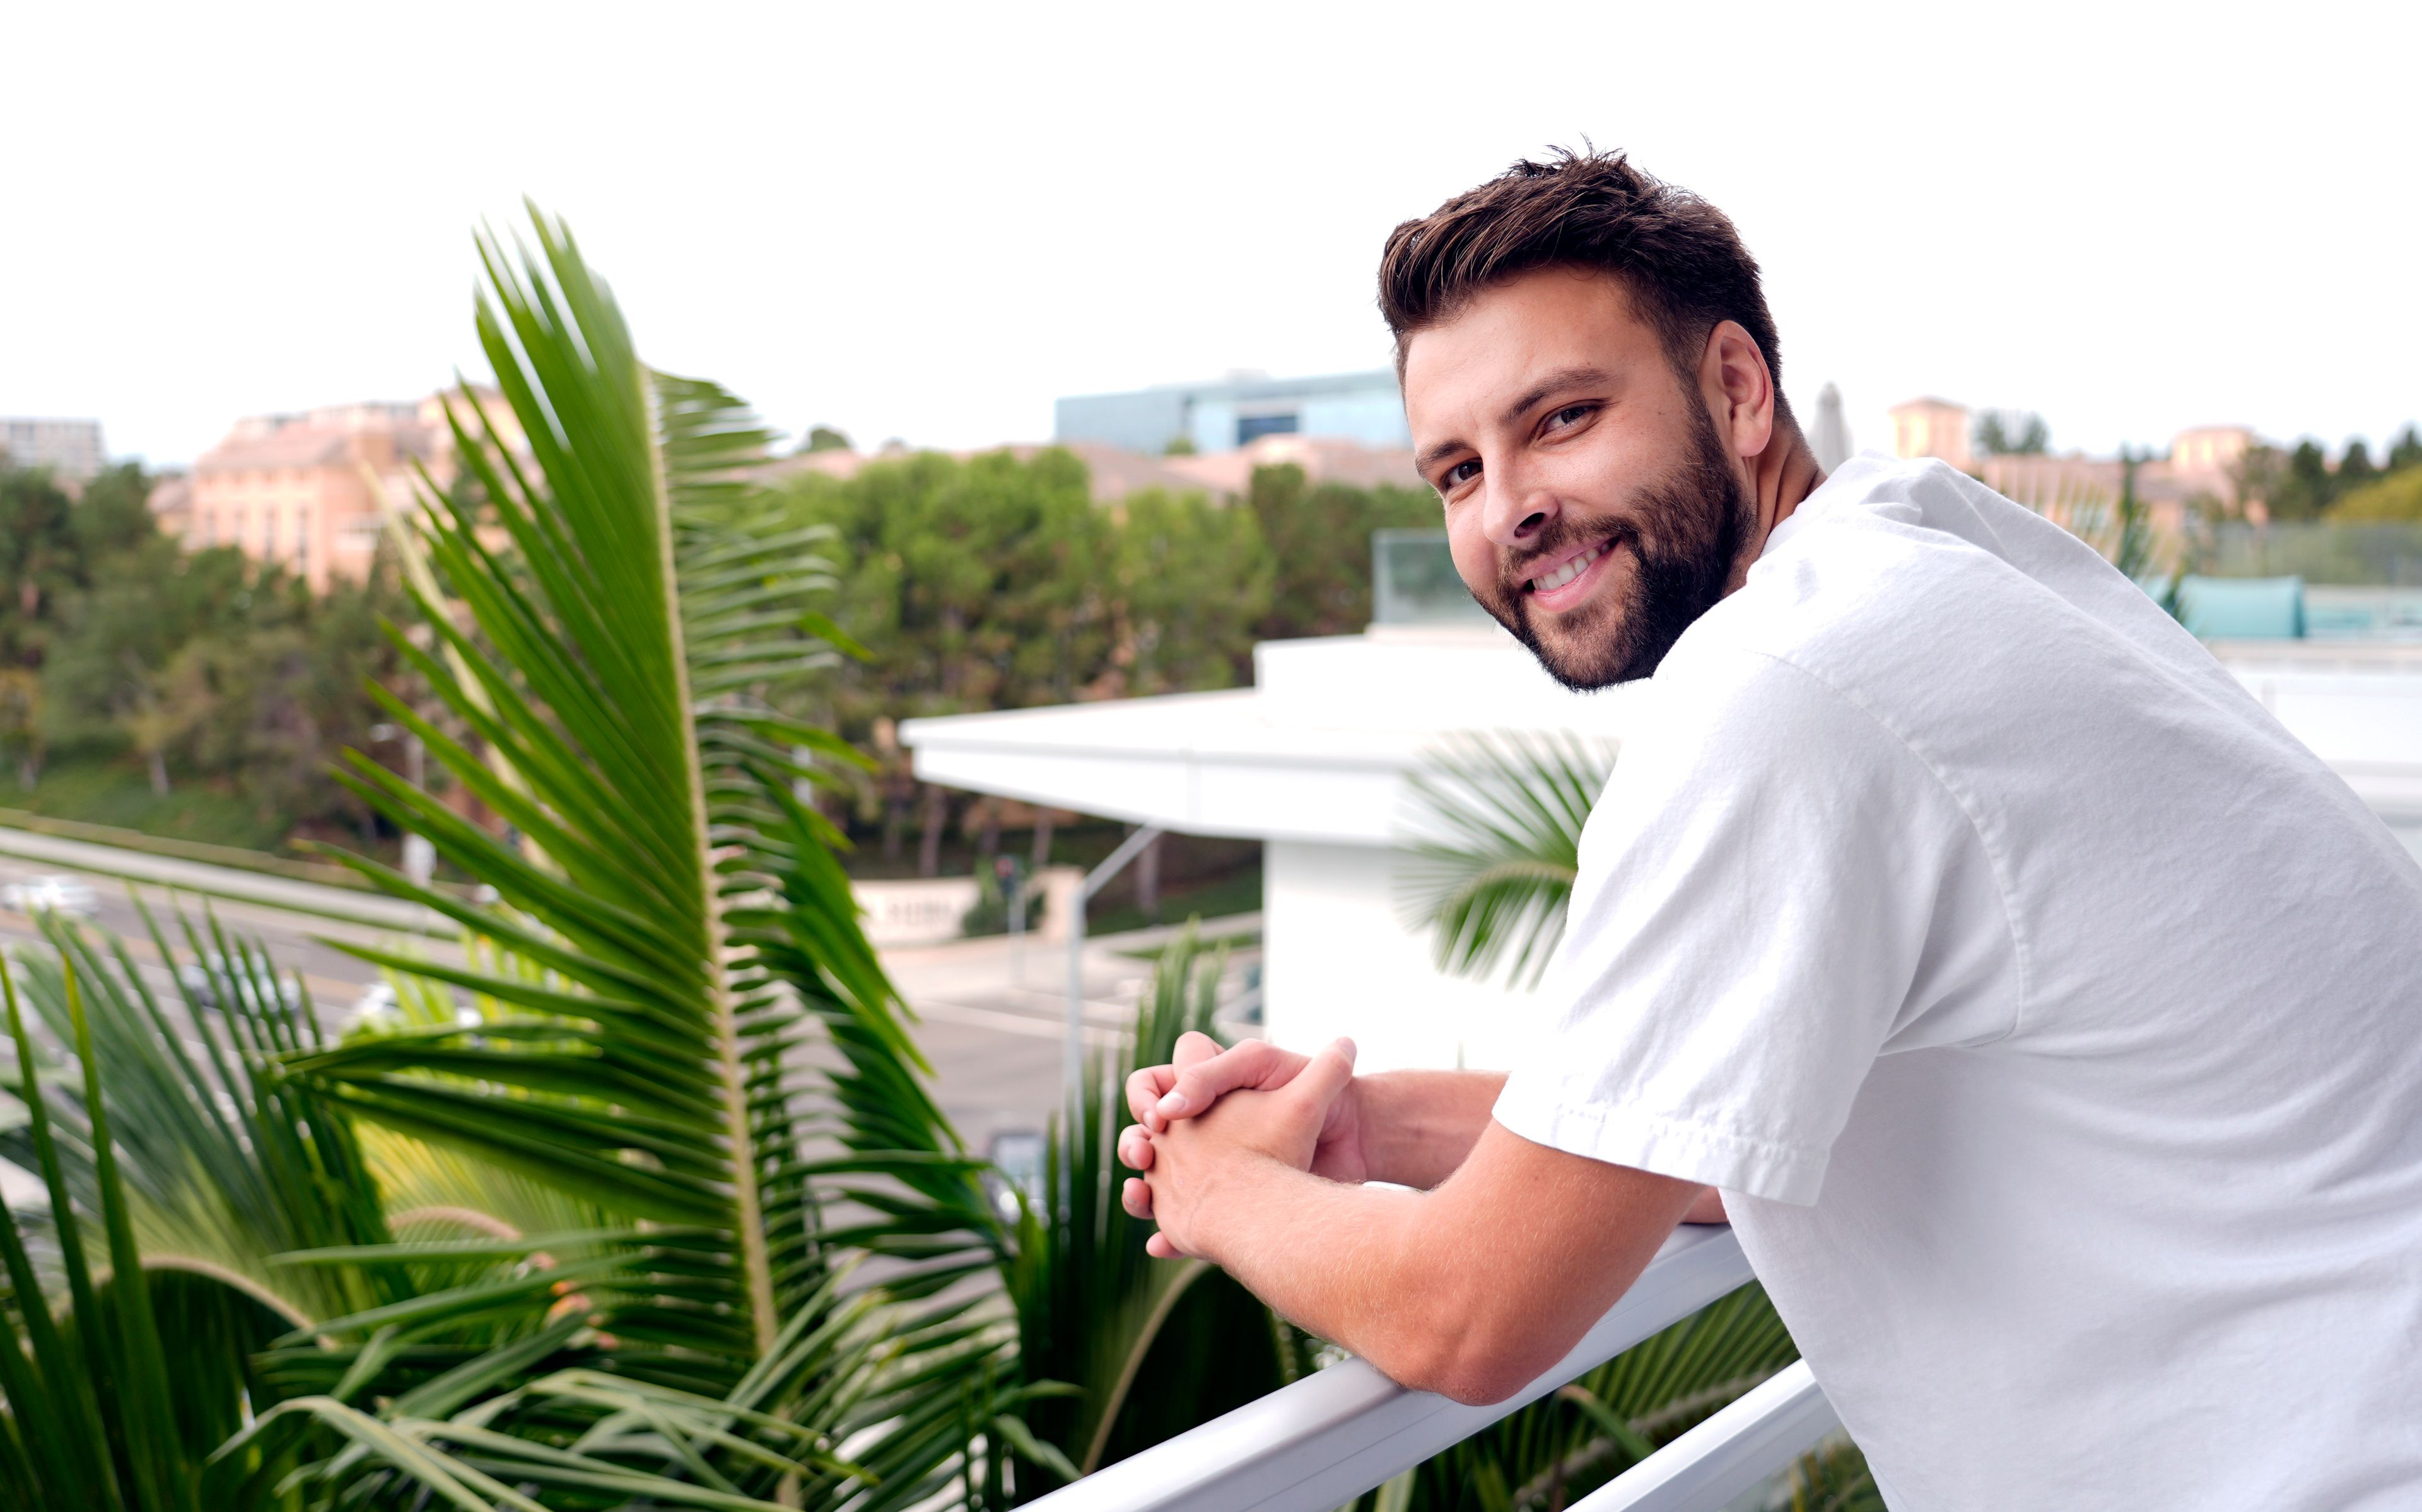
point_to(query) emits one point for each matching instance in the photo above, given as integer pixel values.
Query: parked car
(200, 978)
(50, 894)
(376, 1008)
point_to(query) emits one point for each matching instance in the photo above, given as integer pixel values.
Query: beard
(1684, 535)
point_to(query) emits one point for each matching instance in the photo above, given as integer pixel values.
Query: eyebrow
(1563, 378)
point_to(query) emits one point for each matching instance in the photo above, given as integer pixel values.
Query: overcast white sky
(929, 221)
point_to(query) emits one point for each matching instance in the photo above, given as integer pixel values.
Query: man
(2047, 1019)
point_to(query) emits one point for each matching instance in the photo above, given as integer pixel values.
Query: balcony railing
(1328, 1438)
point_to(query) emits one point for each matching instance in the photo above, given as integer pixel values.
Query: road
(990, 1012)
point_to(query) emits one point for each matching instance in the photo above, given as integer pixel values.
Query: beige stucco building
(1931, 428)
(2076, 490)
(309, 491)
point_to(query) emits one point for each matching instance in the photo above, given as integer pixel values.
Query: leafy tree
(2012, 432)
(39, 560)
(2355, 467)
(1192, 578)
(824, 438)
(208, 663)
(1319, 541)
(2406, 450)
(1180, 446)
(970, 585)
(2303, 488)
(2394, 499)
(21, 721)
(113, 515)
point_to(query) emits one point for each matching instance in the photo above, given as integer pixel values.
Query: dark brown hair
(1678, 255)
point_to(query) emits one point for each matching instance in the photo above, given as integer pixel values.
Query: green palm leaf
(118, 1401)
(1495, 845)
(222, 1163)
(682, 1031)
(612, 627)
(1098, 1313)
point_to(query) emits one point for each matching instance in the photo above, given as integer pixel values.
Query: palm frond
(222, 1163)
(106, 1407)
(672, 934)
(1094, 1311)
(1494, 843)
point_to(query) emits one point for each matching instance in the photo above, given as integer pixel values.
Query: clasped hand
(1204, 1121)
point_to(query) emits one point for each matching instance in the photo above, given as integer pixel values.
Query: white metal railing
(1731, 1453)
(1328, 1438)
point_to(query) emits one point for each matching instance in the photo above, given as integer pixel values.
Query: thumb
(1320, 1082)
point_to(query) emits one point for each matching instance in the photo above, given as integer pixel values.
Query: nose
(1516, 513)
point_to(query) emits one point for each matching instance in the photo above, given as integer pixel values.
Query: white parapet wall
(923, 912)
(1314, 760)
(1337, 959)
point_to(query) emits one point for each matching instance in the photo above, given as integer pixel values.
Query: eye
(1571, 414)
(1460, 473)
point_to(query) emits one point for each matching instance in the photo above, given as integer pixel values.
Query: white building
(1239, 410)
(1313, 761)
(71, 448)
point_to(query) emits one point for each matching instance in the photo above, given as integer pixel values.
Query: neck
(1780, 476)
(1783, 476)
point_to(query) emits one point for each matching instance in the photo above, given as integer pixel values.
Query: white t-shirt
(2050, 1018)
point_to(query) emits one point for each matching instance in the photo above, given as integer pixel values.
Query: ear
(1739, 388)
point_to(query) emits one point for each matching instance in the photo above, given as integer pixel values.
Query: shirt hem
(1667, 1147)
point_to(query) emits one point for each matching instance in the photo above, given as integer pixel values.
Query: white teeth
(1566, 574)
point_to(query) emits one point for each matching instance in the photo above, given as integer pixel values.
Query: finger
(1194, 1047)
(1135, 1148)
(1144, 1088)
(1257, 1064)
(1136, 1197)
(1160, 1247)
(1326, 1077)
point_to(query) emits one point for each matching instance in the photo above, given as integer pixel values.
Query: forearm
(1345, 1262)
(1471, 1289)
(1420, 1126)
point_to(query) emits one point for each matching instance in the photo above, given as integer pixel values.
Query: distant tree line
(996, 582)
(185, 671)
(204, 693)
(2299, 483)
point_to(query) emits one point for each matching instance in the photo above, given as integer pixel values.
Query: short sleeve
(1759, 887)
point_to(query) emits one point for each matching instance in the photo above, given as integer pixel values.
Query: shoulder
(1882, 581)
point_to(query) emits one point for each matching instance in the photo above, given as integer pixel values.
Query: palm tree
(672, 946)
(1095, 1312)
(1495, 844)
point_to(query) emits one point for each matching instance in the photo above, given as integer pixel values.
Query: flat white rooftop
(1318, 749)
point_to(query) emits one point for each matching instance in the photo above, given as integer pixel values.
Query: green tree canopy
(2008, 433)
(2395, 498)
(1319, 541)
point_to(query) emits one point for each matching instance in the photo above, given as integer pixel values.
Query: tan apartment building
(2075, 490)
(305, 491)
(1931, 428)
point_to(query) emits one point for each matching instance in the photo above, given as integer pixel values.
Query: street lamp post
(1073, 1064)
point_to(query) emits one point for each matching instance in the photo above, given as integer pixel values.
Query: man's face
(1590, 503)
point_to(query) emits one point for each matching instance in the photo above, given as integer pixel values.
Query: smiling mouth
(1568, 570)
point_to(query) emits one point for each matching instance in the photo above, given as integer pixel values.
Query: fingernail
(1170, 1106)
(1345, 1048)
